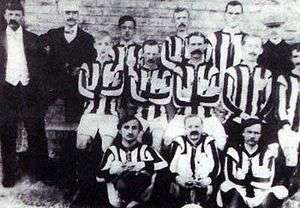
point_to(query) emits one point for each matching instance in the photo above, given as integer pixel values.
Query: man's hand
(116, 168)
(201, 183)
(138, 166)
(184, 181)
(245, 116)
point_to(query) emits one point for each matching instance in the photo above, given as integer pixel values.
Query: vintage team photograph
(149, 103)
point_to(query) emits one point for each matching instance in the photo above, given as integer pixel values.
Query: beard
(197, 51)
(14, 24)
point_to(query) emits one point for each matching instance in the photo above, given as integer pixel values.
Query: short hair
(126, 18)
(234, 3)
(101, 34)
(14, 5)
(197, 34)
(250, 122)
(244, 40)
(126, 119)
(296, 46)
(149, 42)
(192, 116)
(181, 9)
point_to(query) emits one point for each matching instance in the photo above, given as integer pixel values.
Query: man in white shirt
(22, 95)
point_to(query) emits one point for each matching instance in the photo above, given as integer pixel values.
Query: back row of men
(189, 74)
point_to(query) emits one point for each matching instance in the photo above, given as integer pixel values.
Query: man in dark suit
(22, 94)
(68, 48)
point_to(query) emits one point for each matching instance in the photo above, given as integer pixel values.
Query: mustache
(182, 25)
(71, 19)
(13, 22)
(197, 51)
(130, 135)
(194, 133)
(152, 61)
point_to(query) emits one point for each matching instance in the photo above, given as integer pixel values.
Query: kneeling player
(195, 163)
(129, 166)
(250, 171)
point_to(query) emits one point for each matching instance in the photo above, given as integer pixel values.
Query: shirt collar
(74, 29)
(231, 30)
(275, 41)
(10, 31)
(126, 44)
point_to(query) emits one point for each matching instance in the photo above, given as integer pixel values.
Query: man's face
(252, 134)
(13, 18)
(71, 18)
(296, 60)
(151, 54)
(233, 16)
(182, 21)
(130, 130)
(274, 32)
(196, 46)
(193, 128)
(252, 49)
(103, 45)
(127, 30)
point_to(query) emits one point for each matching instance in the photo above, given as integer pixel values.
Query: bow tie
(69, 32)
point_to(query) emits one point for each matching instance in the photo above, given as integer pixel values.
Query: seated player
(150, 92)
(250, 172)
(101, 84)
(195, 163)
(195, 91)
(129, 166)
(247, 89)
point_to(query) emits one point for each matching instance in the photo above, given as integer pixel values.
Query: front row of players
(193, 87)
(130, 168)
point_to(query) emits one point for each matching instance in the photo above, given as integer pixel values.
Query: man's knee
(83, 141)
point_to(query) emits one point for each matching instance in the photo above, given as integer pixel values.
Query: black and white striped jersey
(288, 87)
(197, 81)
(101, 85)
(227, 48)
(150, 90)
(127, 54)
(198, 160)
(248, 90)
(175, 46)
(136, 153)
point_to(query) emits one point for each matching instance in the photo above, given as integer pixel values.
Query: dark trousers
(20, 103)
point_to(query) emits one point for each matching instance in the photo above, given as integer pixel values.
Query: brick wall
(154, 16)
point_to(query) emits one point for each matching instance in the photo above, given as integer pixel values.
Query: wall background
(154, 17)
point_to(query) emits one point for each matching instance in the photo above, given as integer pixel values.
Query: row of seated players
(146, 89)
(137, 175)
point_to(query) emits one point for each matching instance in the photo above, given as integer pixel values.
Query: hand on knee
(82, 141)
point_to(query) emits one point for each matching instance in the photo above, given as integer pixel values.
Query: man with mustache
(194, 164)
(195, 91)
(128, 166)
(22, 96)
(150, 86)
(227, 42)
(250, 170)
(247, 89)
(68, 47)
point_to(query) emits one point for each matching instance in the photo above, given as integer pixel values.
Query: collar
(275, 41)
(74, 29)
(10, 31)
(130, 149)
(258, 150)
(197, 143)
(231, 30)
(126, 44)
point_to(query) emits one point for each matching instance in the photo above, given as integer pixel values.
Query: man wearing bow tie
(21, 95)
(68, 48)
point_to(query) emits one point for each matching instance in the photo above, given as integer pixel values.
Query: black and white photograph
(149, 103)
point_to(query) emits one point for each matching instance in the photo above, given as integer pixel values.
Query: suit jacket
(63, 58)
(35, 57)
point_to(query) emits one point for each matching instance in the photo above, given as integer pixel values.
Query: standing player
(227, 43)
(101, 83)
(175, 46)
(195, 89)
(247, 88)
(150, 92)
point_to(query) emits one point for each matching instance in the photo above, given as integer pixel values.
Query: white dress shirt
(70, 34)
(16, 67)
